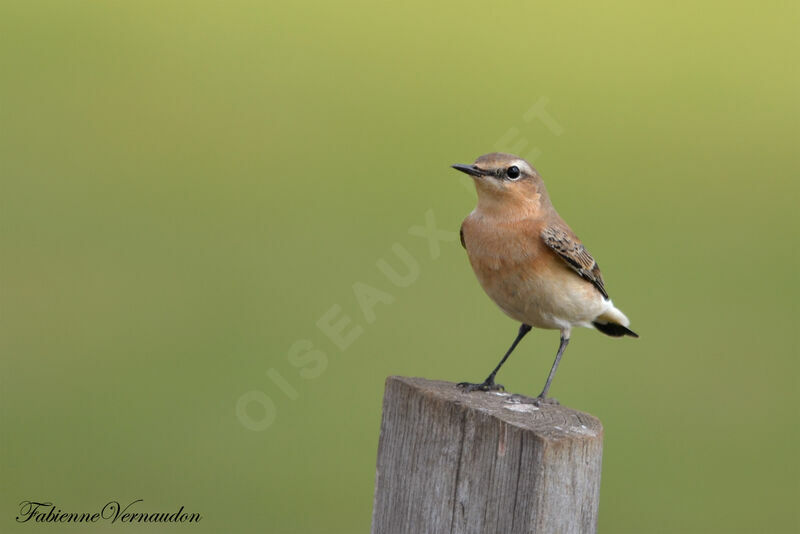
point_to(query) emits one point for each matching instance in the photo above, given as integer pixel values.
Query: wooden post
(454, 462)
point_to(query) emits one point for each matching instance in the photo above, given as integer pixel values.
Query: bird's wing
(564, 243)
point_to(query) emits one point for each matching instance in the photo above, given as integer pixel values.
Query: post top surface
(551, 421)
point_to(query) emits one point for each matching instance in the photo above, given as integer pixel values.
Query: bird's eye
(513, 172)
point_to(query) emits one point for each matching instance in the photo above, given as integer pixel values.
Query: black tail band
(614, 330)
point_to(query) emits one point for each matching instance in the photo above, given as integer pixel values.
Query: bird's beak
(472, 170)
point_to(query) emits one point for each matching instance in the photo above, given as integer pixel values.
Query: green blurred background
(187, 187)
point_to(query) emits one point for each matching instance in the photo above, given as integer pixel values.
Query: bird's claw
(539, 401)
(469, 387)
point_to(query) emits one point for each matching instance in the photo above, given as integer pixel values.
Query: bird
(530, 262)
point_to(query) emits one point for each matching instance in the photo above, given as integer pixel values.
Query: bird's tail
(613, 322)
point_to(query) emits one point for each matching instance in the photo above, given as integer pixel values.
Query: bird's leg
(542, 398)
(488, 384)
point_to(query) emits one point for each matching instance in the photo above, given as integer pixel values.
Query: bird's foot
(486, 385)
(539, 401)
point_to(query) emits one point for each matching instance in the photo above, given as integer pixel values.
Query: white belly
(553, 302)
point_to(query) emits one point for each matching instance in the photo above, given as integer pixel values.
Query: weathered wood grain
(454, 462)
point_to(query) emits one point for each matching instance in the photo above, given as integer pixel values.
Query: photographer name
(111, 512)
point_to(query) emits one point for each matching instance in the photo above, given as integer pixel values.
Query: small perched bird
(530, 262)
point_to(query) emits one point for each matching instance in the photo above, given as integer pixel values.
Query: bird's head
(506, 182)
